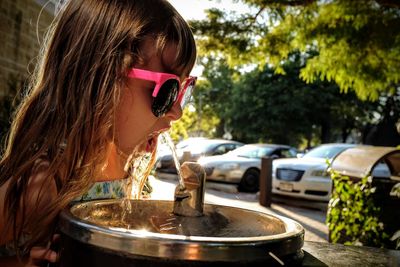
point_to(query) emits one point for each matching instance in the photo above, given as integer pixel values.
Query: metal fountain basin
(222, 234)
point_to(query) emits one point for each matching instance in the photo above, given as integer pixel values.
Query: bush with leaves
(395, 192)
(353, 217)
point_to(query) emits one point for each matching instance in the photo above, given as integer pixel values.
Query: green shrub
(353, 218)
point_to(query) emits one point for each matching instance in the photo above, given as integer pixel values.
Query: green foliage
(395, 192)
(235, 34)
(191, 124)
(358, 44)
(396, 237)
(273, 104)
(213, 96)
(352, 215)
(304, 54)
(180, 128)
(355, 44)
(269, 107)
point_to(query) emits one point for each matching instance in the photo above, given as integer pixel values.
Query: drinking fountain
(183, 232)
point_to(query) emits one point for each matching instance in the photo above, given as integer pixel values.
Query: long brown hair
(68, 112)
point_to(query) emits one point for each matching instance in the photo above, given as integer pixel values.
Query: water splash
(168, 140)
(138, 167)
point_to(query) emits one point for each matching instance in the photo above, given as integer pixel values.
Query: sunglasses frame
(160, 78)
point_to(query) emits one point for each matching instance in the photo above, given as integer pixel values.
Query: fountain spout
(189, 198)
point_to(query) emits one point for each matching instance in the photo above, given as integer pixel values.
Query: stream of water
(139, 166)
(165, 137)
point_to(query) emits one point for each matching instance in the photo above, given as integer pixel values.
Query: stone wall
(23, 24)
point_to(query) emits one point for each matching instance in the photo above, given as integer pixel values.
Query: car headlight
(321, 173)
(229, 166)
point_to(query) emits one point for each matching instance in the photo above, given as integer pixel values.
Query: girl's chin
(146, 146)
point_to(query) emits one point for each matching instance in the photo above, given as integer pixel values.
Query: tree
(269, 107)
(179, 129)
(214, 94)
(356, 44)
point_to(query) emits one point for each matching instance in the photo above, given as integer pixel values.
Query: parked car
(191, 140)
(306, 177)
(198, 147)
(242, 166)
(163, 148)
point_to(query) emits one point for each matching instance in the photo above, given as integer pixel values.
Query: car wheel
(250, 181)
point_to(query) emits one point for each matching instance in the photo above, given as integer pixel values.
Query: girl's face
(136, 127)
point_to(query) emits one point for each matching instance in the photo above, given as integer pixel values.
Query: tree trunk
(325, 132)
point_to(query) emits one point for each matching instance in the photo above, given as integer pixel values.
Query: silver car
(242, 166)
(195, 148)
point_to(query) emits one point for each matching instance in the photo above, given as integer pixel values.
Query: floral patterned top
(105, 190)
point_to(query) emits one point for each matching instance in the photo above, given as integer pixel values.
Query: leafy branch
(353, 218)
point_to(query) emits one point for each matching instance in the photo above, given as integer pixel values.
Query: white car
(306, 177)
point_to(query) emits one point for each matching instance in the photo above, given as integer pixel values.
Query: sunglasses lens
(165, 98)
(188, 94)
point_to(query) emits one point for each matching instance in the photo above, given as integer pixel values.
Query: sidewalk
(313, 220)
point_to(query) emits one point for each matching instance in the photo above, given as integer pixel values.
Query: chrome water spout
(189, 199)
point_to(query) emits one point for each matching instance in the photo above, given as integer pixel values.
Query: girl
(112, 78)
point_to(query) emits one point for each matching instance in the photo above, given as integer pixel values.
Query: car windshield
(251, 151)
(325, 152)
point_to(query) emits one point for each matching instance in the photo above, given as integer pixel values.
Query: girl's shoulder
(99, 190)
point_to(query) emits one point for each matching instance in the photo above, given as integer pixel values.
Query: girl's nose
(175, 112)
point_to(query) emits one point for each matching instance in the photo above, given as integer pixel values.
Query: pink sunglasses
(167, 91)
